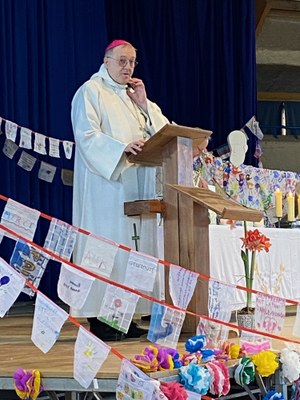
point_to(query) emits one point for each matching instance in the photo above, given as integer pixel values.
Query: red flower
(255, 240)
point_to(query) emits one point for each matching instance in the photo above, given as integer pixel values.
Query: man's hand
(134, 147)
(138, 93)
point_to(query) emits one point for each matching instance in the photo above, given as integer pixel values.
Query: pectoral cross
(135, 237)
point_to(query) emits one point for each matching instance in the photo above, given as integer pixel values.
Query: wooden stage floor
(56, 367)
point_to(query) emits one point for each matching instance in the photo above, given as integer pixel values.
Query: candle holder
(279, 222)
(295, 224)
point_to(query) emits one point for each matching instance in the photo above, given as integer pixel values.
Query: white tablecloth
(278, 271)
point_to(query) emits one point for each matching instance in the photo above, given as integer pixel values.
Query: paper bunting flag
(99, 255)
(54, 148)
(25, 138)
(67, 177)
(141, 272)
(133, 383)
(39, 143)
(118, 307)
(221, 298)
(90, 354)
(215, 333)
(61, 238)
(46, 172)
(254, 128)
(30, 262)
(11, 130)
(48, 320)
(11, 285)
(165, 325)
(68, 148)
(26, 161)
(73, 286)
(9, 148)
(20, 219)
(182, 283)
(269, 313)
(296, 327)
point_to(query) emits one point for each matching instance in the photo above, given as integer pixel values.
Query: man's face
(114, 59)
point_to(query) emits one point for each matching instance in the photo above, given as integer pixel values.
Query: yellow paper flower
(265, 362)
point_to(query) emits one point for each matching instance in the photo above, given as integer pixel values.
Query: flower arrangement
(253, 242)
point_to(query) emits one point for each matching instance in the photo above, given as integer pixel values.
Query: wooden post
(186, 218)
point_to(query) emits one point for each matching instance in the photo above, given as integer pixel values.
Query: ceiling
(278, 49)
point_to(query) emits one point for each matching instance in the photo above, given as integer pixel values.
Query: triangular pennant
(90, 354)
(61, 238)
(30, 262)
(48, 320)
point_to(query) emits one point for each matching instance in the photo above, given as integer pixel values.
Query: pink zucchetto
(115, 43)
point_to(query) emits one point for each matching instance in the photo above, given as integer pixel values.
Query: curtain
(48, 48)
(197, 59)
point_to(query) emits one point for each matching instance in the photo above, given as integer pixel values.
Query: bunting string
(144, 295)
(38, 143)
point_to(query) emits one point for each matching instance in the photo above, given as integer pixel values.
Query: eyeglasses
(123, 61)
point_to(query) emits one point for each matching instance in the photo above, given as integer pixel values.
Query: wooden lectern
(186, 218)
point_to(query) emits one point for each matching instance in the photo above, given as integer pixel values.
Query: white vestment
(104, 121)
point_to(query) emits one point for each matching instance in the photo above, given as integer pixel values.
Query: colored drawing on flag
(215, 333)
(99, 255)
(61, 238)
(182, 284)
(48, 320)
(133, 383)
(11, 285)
(30, 262)
(269, 313)
(90, 354)
(20, 219)
(141, 272)
(73, 286)
(221, 298)
(165, 325)
(118, 307)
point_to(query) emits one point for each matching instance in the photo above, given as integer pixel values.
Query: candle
(278, 203)
(290, 207)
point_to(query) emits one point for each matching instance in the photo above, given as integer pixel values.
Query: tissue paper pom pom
(28, 384)
(290, 365)
(195, 378)
(155, 358)
(195, 343)
(254, 348)
(265, 362)
(216, 378)
(147, 361)
(207, 355)
(244, 372)
(173, 390)
(188, 358)
(234, 351)
(272, 395)
(226, 384)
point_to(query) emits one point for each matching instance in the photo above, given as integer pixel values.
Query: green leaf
(244, 256)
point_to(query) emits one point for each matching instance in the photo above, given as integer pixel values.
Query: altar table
(278, 271)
